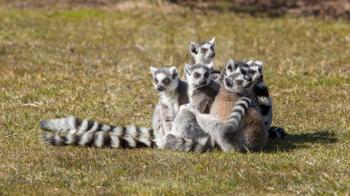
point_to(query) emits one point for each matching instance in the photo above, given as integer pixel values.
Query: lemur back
(74, 131)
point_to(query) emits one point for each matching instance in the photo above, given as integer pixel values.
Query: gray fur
(227, 135)
(195, 131)
(203, 52)
(74, 131)
(202, 91)
(257, 67)
(171, 98)
(61, 131)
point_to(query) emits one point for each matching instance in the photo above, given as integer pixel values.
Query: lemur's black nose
(203, 82)
(160, 88)
(248, 78)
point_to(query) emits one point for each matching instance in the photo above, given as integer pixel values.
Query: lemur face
(236, 83)
(199, 75)
(238, 67)
(203, 52)
(165, 79)
(255, 69)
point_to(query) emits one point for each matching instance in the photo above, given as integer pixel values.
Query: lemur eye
(196, 75)
(260, 69)
(239, 82)
(156, 80)
(252, 72)
(204, 50)
(243, 72)
(228, 83)
(166, 81)
(206, 75)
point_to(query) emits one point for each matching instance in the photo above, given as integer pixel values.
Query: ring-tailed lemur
(202, 91)
(231, 125)
(228, 132)
(72, 130)
(251, 135)
(260, 91)
(204, 53)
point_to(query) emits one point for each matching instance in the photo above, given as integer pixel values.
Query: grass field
(93, 63)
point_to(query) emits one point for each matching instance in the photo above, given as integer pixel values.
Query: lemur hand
(184, 106)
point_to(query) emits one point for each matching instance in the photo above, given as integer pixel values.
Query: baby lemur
(74, 131)
(231, 124)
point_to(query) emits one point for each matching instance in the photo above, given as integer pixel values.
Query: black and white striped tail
(238, 112)
(74, 131)
(173, 142)
(277, 133)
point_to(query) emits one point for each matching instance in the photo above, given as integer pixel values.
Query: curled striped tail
(173, 142)
(74, 131)
(239, 109)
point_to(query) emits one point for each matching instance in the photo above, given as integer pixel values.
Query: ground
(93, 62)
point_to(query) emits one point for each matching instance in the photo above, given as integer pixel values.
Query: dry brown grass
(93, 62)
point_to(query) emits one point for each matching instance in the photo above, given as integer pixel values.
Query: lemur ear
(210, 65)
(212, 41)
(260, 63)
(193, 48)
(153, 70)
(187, 68)
(250, 62)
(173, 71)
(230, 66)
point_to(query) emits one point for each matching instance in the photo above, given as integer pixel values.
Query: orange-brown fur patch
(252, 134)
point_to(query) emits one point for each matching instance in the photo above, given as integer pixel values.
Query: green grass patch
(93, 63)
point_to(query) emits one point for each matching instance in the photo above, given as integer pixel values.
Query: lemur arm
(206, 121)
(168, 116)
(261, 91)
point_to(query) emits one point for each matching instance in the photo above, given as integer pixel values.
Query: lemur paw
(264, 100)
(184, 106)
(192, 108)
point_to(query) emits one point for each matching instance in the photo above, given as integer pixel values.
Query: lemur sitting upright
(74, 131)
(261, 92)
(204, 53)
(249, 133)
(232, 131)
(201, 91)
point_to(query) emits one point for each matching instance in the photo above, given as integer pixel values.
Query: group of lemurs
(230, 110)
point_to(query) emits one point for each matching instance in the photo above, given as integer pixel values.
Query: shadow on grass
(302, 140)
